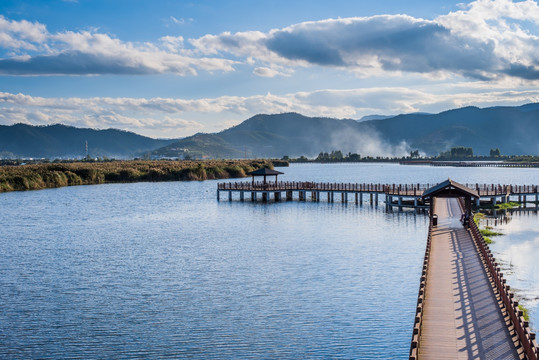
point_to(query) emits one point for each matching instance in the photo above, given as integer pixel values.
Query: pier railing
(418, 320)
(526, 336)
(391, 189)
(511, 164)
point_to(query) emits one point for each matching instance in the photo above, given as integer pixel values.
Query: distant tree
(354, 157)
(495, 152)
(414, 154)
(322, 157)
(336, 155)
(461, 151)
(286, 158)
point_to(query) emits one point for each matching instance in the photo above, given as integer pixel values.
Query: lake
(163, 270)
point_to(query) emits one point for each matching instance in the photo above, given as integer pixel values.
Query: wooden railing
(314, 186)
(526, 336)
(418, 320)
(391, 189)
(472, 163)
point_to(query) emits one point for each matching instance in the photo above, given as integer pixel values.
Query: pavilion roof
(264, 172)
(449, 188)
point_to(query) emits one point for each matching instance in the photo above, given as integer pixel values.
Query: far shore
(54, 175)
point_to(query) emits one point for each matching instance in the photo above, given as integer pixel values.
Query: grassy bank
(42, 176)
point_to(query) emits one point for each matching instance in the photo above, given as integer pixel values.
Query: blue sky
(174, 68)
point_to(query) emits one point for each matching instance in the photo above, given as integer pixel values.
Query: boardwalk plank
(462, 318)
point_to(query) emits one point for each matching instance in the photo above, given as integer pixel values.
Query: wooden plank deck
(462, 318)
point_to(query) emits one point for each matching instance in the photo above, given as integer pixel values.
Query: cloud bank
(173, 117)
(486, 40)
(32, 50)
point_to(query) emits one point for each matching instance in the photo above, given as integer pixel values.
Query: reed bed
(53, 175)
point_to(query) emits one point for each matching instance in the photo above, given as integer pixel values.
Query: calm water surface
(163, 270)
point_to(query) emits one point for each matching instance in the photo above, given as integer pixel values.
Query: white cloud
(270, 72)
(93, 53)
(21, 34)
(486, 40)
(181, 117)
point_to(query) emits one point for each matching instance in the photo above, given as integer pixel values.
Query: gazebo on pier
(265, 172)
(451, 189)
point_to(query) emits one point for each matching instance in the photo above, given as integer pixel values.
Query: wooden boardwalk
(461, 317)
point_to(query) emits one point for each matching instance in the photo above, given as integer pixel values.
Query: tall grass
(41, 176)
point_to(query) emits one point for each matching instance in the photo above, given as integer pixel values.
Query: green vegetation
(477, 217)
(458, 152)
(501, 206)
(488, 240)
(337, 156)
(487, 232)
(507, 205)
(52, 175)
(523, 158)
(495, 152)
(525, 313)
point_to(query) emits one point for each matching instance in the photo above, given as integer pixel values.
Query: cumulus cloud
(38, 52)
(270, 72)
(486, 40)
(181, 117)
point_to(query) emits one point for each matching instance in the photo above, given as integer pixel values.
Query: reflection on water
(518, 252)
(153, 270)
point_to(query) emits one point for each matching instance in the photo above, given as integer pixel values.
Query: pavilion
(265, 172)
(451, 189)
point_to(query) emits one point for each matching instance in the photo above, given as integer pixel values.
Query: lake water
(163, 270)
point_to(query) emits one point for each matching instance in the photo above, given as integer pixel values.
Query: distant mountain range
(514, 130)
(60, 141)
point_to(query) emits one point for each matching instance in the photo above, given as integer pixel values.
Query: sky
(171, 69)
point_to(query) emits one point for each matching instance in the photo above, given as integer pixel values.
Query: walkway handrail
(526, 336)
(390, 189)
(418, 320)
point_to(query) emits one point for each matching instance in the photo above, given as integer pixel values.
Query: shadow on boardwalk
(462, 318)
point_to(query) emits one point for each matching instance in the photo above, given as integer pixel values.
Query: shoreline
(55, 175)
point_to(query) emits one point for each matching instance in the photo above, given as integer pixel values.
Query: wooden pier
(504, 164)
(465, 310)
(392, 195)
